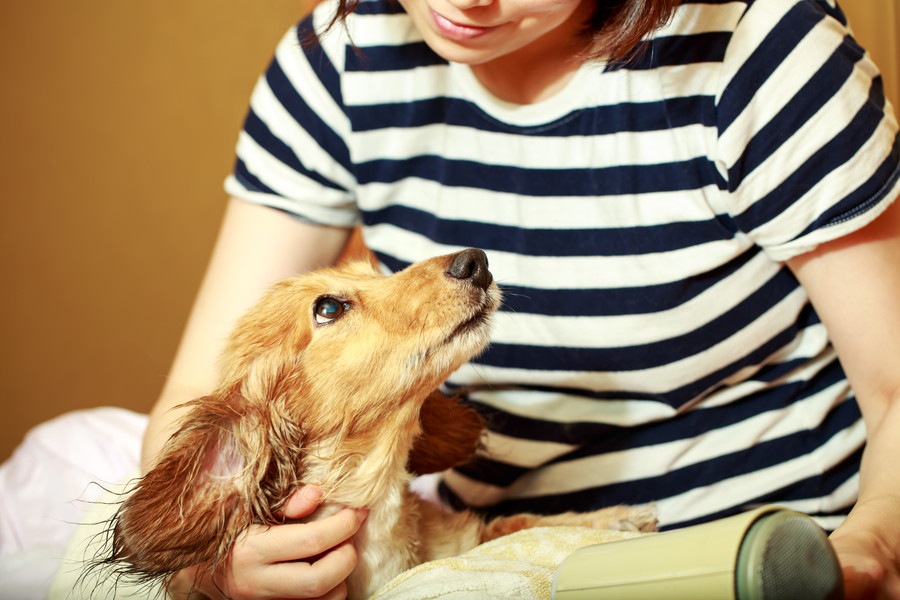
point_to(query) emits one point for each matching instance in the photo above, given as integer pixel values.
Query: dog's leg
(619, 518)
(444, 533)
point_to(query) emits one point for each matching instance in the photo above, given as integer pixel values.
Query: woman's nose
(467, 4)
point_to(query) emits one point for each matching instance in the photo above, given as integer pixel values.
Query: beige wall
(118, 121)
(877, 24)
(117, 124)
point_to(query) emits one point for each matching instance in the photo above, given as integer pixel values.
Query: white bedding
(46, 487)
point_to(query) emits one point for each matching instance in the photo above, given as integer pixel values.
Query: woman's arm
(854, 284)
(256, 247)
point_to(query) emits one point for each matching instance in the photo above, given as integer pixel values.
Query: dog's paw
(640, 518)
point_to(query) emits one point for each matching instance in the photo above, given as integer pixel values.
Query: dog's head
(331, 362)
(344, 340)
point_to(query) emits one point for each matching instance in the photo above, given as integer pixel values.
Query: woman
(690, 208)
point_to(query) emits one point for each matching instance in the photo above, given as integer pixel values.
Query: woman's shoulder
(708, 20)
(718, 39)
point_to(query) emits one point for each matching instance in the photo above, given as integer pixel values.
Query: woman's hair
(616, 27)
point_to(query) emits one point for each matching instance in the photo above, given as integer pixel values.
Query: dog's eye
(328, 309)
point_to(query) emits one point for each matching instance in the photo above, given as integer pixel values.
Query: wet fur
(349, 406)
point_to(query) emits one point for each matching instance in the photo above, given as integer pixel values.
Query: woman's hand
(868, 548)
(294, 560)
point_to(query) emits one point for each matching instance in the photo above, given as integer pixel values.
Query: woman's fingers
(303, 502)
(324, 577)
(338, 593)
(299, 541)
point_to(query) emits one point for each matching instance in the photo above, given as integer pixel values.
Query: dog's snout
(471, 265)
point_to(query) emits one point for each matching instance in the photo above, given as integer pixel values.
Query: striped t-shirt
(652, 345)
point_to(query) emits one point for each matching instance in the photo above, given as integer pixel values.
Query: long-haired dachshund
(330, 380)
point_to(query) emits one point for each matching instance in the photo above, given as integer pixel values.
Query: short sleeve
(807, 141)
(292, 152)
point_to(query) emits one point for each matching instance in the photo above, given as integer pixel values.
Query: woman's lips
(457, 31)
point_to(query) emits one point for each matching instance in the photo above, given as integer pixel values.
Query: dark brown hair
(616, 27)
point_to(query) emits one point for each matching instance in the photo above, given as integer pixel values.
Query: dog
(331, 380)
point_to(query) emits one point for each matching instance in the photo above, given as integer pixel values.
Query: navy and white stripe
(652, 346)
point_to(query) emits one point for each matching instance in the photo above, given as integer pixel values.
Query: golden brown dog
(323, 383)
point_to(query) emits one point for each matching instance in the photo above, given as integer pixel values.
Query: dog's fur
(337, 405)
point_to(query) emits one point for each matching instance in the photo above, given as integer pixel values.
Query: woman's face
(475, 32)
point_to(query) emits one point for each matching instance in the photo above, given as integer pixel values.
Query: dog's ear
(451, 432)
(204, 491)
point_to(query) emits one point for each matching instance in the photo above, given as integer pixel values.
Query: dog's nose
(471, 265)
